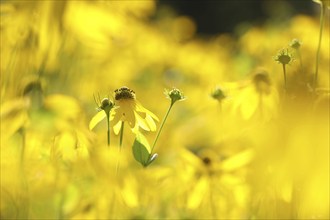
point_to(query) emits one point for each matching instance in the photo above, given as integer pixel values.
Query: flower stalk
(284, 76)
(284, 57)
(106, 105)
(108, 125)
(296, 44)
(323, 8)
(121, 134)
(174, 95)
(161, 128)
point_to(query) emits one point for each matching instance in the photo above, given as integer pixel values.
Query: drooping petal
(140, 108)
(127, 108)
(96, 119)
(151, 123)
(130, 118)
(116, 115)
(141, 121)
(112, 115)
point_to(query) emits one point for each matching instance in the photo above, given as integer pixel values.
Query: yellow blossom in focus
(131, 111)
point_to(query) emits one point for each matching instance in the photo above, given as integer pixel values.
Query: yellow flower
(131, 111)
(295, 44)
(257, 99)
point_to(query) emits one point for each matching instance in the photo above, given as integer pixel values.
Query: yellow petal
(198, 193)
(141, 122)
(116, 127)
(140, 108)
(96, 119)
(112, 115)
(151, 123)
(65, 106)
(249, 103)
(239, 160)
(130, 118)
(116, 115)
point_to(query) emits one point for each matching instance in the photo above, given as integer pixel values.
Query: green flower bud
(106, 105)
(295, 44)
(218, 94)
(284, 57)
(174, 95)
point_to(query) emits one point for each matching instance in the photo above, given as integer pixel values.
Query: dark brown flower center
(124, 93)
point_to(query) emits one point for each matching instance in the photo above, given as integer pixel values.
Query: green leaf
(141, 149)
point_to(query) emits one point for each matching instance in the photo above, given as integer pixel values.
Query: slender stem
(120, 144)
(299, 56)
(161, 128)
(108, 124)
(319, 45)
(121, 134)
(284, 74)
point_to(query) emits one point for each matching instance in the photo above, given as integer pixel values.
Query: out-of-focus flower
(209, 179)
(262, 83)
(259, 97)
(69, 142)
(295, 44)
(218, 94)
(131, 111)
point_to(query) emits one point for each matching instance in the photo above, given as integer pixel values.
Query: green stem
(161, 128)
(284, 75)
(108, 124)
(120, 144)
(319, 45)
(299, 56)
(121, 134)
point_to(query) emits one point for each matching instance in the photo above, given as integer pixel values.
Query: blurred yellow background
(258, 152)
